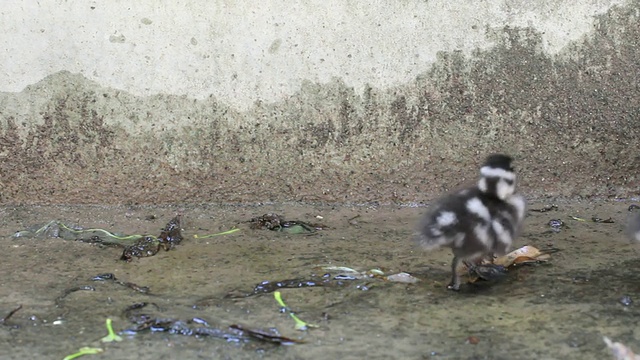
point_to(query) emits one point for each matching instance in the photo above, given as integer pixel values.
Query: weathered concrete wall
(206, 101)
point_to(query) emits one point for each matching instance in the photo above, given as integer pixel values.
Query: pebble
(625, 300)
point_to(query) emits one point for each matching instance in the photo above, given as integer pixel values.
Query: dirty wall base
(571, 121)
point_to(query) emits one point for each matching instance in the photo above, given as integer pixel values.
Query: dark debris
(198, 327)
(546, 208)
(5, 319)
(170, 236)
(276, 222)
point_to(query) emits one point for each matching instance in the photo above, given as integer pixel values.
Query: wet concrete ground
(557, 310)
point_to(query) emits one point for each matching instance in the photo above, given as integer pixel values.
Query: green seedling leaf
(112, 335)
(83, 351)
(217, 234)
(278, 297)
(300, 325)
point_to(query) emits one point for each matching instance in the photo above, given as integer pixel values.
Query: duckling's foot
(454, 285)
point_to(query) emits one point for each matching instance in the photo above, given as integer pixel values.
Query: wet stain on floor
(560, 309)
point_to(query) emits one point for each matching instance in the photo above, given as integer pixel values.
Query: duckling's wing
(444, 224)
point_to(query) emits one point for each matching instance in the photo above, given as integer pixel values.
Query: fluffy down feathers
(477, 221)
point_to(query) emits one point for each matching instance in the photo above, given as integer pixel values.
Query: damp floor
(560, 309)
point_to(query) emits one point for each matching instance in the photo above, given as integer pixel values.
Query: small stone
(403, 277)
(472, 340)
(556, 224)
(625, 300)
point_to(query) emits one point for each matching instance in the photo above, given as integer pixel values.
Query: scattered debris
(134, 245)
(264, 335)
(58, 229)
(68, 291)
(4, 320)
(594, 219)
(604, 221)
(267, 286)
(546, 208)
(111, 277)
(102, 277)
(276, 222)
(198, 327)
(487, 271)
(327, 279)
(148, 245)
(493, 269)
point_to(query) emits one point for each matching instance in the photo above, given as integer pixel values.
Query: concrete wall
(207, 101)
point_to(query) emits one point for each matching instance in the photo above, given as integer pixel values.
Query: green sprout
(300, 325)
(217, 234)
(112, 335)
(278, 298)
(83, 351)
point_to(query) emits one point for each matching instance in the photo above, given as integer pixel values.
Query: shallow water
(557, 310)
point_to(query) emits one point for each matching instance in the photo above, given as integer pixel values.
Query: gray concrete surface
(314, 101)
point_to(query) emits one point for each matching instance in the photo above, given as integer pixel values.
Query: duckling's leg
(455, 278)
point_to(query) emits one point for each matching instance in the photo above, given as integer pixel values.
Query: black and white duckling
(477, 221)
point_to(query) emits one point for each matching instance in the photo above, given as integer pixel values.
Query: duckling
(477, 221)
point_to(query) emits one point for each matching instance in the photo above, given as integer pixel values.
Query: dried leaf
(619, 351)
(526, 252)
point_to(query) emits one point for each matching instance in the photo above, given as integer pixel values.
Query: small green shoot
(112, 335)
(278, 296)
(217, 234)
(83, 351)
(300, 325)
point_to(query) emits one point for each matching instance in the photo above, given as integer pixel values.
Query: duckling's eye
(508, 181)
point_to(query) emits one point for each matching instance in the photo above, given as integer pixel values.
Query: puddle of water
(557, 310)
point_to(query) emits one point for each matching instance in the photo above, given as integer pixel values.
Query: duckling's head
(497, 177)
